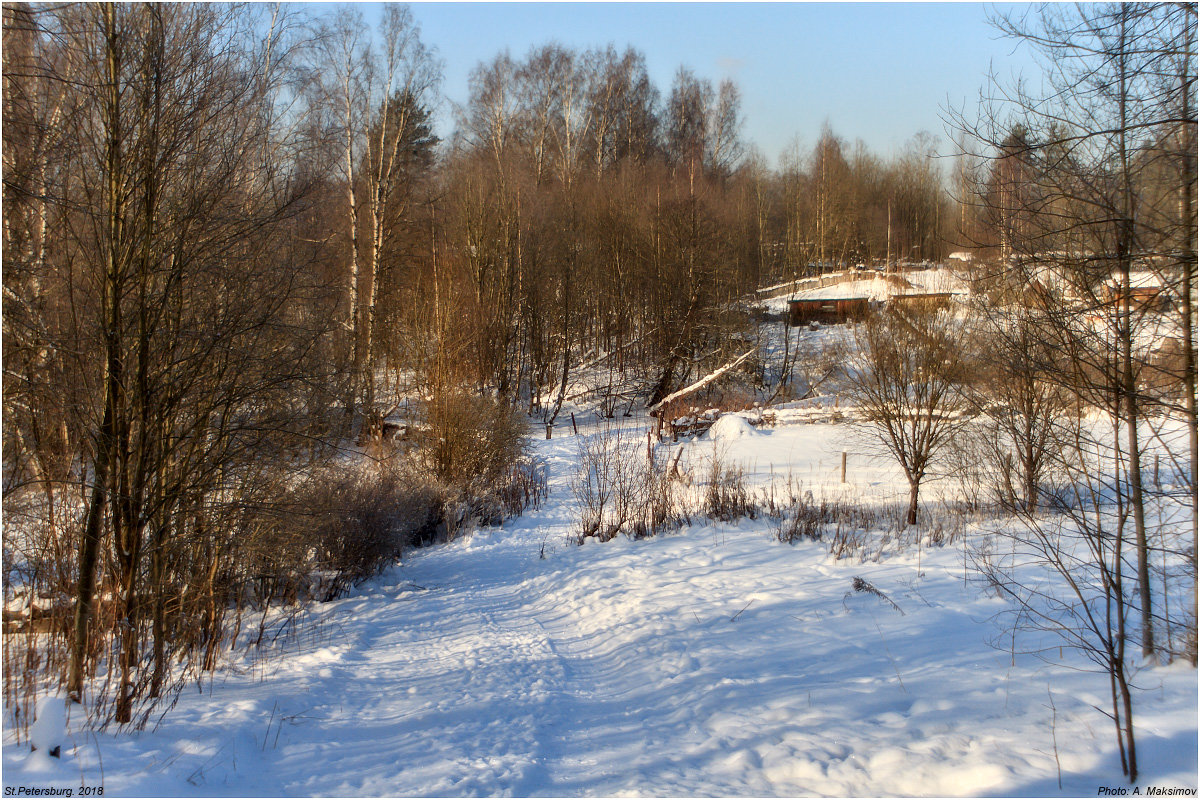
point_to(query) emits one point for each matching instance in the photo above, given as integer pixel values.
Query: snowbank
(730, 427)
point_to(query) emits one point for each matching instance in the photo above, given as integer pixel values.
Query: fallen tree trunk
(700, 384)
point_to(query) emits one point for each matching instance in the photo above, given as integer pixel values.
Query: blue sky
(876, 71)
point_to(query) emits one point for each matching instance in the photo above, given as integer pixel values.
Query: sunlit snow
(712, 661)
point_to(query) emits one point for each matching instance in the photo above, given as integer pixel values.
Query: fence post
(549, 427)
(843, 466)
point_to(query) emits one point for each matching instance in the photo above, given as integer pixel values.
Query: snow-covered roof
(1140, 279)
(933, 281)
(870, 289)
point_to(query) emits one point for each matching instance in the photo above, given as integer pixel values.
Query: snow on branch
(705, 381)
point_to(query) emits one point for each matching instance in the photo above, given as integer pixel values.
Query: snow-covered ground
(712, 661)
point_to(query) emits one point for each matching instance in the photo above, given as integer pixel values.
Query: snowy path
(716, 661)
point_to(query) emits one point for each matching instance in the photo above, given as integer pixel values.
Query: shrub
(471, 442)
(606, 483)
(526, 484)
(802, 519)
(726, 497)
(622, 489)
(343, 525)
(662, 503)
(839, 522)
(475, 447)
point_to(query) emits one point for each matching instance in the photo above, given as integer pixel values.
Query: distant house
(835, 310)
(1146, 292)
(921, 301)
(857, 298)
(828, 310)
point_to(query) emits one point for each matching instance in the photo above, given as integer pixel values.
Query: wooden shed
(1141, 298)
(827, 310)
(923, 301)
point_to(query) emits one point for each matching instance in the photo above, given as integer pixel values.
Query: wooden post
(549, 428)
(574, 427)
(843, 466)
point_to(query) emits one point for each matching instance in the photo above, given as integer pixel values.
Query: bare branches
(909, 386)
(1090, 227)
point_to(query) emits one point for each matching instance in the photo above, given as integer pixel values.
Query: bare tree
(831, 222)
(1073, 200)
(383, 94)
(1067, 196)
(1015, 388)
(175, 210)
(1066, 573)
(908, 383)
(488, 123)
